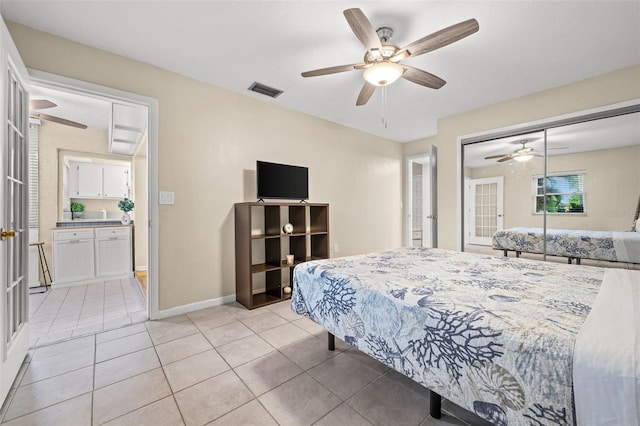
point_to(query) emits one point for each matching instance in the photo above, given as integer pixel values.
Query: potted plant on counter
(126, 205)
(77, 210)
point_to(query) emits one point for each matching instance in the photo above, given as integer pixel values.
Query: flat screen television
(282, 181)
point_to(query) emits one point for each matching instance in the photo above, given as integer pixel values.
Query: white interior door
(485, 209)
(421, 200)
(14, 303)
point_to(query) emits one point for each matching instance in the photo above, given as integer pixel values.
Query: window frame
(535, 195)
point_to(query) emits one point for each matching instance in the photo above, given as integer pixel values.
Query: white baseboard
(91, 281)
(190, 307)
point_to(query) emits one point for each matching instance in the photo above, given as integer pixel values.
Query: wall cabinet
(90, 180)
(261, 248)
(91, 253)
(115, 182)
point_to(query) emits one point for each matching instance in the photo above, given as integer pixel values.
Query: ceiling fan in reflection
(521, 155)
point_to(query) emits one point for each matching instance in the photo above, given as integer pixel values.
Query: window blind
(33, 176)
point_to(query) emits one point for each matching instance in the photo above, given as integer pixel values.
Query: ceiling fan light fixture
(383, 73)
(523, 158)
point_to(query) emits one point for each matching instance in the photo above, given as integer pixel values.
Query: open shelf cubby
(262, 270)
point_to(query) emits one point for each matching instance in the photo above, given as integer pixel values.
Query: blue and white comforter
(494, 335)
(582, 244)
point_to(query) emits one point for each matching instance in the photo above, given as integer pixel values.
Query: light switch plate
(166, 197)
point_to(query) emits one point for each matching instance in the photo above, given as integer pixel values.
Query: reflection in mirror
(593, 185)
(498, 189)
(585, 206)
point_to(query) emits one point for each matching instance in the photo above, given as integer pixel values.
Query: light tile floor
(219, 366)
(66, 312)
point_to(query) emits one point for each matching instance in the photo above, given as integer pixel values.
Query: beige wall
(612, 188)
(595, 92)
(55, 141)
(209, 141)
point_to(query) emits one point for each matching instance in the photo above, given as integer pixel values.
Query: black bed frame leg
(436, 405)
(506, 253)
(331, 340)
(578, 261)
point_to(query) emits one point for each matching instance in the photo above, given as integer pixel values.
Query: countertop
(88, 223)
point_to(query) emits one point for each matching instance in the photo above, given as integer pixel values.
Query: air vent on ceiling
(265, 90)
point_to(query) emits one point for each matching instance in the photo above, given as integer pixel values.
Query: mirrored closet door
(568, 192)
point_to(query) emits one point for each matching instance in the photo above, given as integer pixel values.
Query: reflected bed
(571, 243)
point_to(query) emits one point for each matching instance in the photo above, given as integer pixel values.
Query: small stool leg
(44, 265)
(41, 258)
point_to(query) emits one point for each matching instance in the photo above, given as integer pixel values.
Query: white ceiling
(522, 47)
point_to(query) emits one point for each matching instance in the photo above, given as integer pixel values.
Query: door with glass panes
(14, 303)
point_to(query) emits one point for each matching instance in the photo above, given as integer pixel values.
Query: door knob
(6, 234)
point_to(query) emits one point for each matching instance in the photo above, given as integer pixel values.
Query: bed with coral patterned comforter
(493, 335)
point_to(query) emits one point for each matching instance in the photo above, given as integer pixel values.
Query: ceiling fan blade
(331, 70)
(362, 28)
(365, 93)
(507, 158)
(422, 78)
(438, 39)
(41, 104)
(59, 120)
(496, 156)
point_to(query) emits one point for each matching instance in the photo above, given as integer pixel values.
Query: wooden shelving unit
(261, 247)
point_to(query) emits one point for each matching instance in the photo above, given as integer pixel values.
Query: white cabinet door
(115, 182)
(89, 181)
(113, 251)
(73, 260)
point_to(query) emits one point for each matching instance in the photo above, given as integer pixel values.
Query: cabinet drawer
(119, 231)
(72, 234)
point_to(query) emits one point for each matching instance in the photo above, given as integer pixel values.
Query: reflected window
(565, 193)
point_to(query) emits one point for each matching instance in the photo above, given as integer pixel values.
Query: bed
(572, 244)
(494, 335)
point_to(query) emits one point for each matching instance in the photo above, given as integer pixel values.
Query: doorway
(143, 187)
(421, 226)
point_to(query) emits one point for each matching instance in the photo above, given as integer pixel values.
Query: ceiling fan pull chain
(384, 106)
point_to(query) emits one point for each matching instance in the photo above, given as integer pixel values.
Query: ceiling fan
(381, 60)
(35, 104)
(521, 155)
